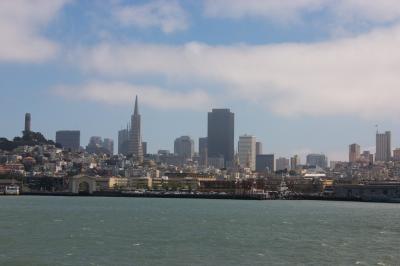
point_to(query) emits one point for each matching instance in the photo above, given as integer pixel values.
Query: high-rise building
(27, 123)
(396, 155)
(354, 153)
(203, 151)
(184, 147)
(221, 133)
(259, 148)
(319, 160)
(69, 139)
(95, 144)
(367, 157)
(383, 147)
(294, 162)
(144, 147)
(123, 141)
(282, 164)
(108, 144)
(135, 135)
(247, 151)
(265, 163)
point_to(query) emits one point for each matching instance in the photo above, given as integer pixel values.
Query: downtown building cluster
(216, 167)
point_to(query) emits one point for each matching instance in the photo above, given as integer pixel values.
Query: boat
(11, 190)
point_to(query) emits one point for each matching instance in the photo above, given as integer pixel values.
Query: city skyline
(80, 68)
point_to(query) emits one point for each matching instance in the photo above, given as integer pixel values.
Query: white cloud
(282, 10)
(116, 93)
(356, 76)
(167, 15)
(20, 25)
(291, 10)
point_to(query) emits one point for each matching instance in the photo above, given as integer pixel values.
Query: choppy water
(135, 231)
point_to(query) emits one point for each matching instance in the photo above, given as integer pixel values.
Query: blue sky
(302, 76)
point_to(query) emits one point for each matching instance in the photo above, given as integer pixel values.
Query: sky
(304, 76)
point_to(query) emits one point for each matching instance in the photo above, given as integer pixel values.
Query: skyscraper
(221, 124)
(184, 147)
(123, 141)
(135, 137)
(203, 151)
(319, 160)
(259, 148)
(144, 147)
(383, 147)
(354, 153)
(27, 123)
(294, 162)
(69, 139)
(247, 151)
(108, 144)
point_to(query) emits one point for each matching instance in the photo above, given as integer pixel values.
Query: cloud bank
(357, 75)
(169, 16)
(20, 24)
(116, 93)
(290, 11)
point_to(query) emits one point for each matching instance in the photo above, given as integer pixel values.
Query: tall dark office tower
(144, 147)
(221, 131)
(69, 139)
(383, 147)
(27, 123)
(203, 151)
(123, 141)
(135, 136)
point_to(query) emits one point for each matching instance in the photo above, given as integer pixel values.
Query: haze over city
(302, 76)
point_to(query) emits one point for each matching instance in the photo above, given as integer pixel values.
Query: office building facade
(265, 163)
(69, 139)
(184, 147)
(247, 152)
(354, 153)
(383, 147)
(221, 133)
(317, 160)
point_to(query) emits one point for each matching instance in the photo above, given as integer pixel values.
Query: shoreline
(256, 197)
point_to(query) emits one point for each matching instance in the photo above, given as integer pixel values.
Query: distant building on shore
(221, 133)
(317, 160)
(265, 163)
(247, 151)
(184, 147)
(383, 147)
(69, 139)
(354, 153)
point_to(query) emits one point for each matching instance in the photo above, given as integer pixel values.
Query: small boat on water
(11, 190)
